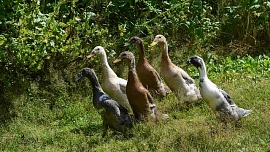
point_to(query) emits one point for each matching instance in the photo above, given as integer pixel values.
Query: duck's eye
(159, 37)
(98, 49)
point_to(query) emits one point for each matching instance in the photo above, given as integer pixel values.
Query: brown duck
(140, 100)
(181, 84)
(148, 76)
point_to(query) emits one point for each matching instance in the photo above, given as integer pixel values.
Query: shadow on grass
(90, 130)
(5, 107)
(186, 106)
(97, 130)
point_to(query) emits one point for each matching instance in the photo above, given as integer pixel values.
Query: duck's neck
(202, 71)
(95, 84)
(106, 69)
(132, 75)
(103, 59)
(165, 54)
(141, 50)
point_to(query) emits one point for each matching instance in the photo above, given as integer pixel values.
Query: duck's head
(124, 56)
(196, 61)
(85, 72)
(159, 39)
(98, 50)
(133, 40)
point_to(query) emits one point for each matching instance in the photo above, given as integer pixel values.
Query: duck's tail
(247, 112)
(243, 112)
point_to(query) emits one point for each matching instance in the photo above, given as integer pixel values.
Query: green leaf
(267, 4)
(3, 39)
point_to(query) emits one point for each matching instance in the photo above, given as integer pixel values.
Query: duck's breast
(211, 94)
(137, 98)
(172, 77)
(148, 76)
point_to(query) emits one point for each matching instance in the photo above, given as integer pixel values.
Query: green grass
(74, 125)
(59, 117)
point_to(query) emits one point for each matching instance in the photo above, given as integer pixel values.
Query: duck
(113, 85)
(141, 101)
(180, 83)
(148, 76)
(114, 115)
(217, 99)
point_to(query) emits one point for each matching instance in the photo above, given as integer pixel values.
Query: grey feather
(113, 114)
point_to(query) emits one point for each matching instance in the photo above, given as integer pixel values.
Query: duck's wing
(111, 106)
(186, 77)
(150, 98)
(122, 84)
(152, 106)
(223, 93)
(118, 112)
(227, 97)
(237, 111)
(156, 75)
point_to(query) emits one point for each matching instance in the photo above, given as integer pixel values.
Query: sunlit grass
(61, 120)
(75, 125)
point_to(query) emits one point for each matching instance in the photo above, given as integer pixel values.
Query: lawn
(74, 125)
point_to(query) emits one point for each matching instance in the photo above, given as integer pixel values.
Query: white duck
(114, 86)
(218, 100)
(180, 83)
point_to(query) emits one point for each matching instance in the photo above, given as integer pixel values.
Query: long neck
(141, 50)
(165, 54)
(202, 71)
(95, 84)
(107, 72)
(132, 75)
(103, 58)
(132, 67)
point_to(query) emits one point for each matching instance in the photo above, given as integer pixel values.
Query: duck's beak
(188, 62)
(153, 43)
(185, 64)
(90, 55)
(117, 60)
(80, 75)
(127, 44)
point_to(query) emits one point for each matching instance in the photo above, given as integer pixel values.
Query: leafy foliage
(242, 67)
(247, 21)
(38, 33)
(43, 43)
(235, 68)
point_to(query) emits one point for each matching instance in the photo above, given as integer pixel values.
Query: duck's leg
(105, 129)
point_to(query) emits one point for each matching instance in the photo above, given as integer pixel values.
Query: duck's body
(114, 86)
(141, 104)
(176, 78)
(139, 97)
(113, 114)
(217, 99)
(148, 76)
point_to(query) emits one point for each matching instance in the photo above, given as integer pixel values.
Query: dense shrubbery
(39, 36)
(42, 49)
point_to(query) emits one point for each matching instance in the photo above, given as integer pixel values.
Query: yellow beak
(117, 60)
(90, 55)
(183, 65)
(153, 43)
